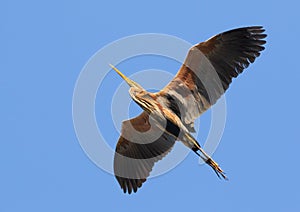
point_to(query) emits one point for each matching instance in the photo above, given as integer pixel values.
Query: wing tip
(130, 185)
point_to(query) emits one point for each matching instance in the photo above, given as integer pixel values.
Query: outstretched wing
(208, 70)
(140, 145)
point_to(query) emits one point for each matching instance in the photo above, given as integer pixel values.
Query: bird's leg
(192, 143)
(205, 157)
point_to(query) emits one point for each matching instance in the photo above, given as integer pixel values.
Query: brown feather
(140, 146)
(209, 69)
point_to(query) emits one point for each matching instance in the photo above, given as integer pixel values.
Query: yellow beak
(130, 82)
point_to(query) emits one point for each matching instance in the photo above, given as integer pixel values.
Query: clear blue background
(45, 44)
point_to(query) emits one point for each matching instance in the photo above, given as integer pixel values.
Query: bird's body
(169, 114)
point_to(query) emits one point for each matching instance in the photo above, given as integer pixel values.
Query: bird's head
(142, 97)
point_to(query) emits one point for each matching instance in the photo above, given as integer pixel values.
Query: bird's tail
(205, 157)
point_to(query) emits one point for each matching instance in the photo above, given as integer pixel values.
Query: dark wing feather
(140, 145)
(209, 68)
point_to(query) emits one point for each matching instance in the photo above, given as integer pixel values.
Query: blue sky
(45, 45)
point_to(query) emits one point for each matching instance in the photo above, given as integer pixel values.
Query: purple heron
(169, 114)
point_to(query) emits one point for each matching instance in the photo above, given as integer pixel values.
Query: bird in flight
(169, 114)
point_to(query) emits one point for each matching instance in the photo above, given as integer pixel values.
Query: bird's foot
(216, 168)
